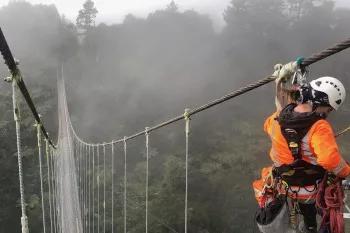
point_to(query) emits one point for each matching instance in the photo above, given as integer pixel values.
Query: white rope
(112, 154)
(89, 187)
(93, 189)
(124, 184)
(16, 113)
(98, 188)
(54, 191)
(104, 188)
(47, 152)
(86, 188)
(80, 180)
(187, 131)
(38, 129)
(147, 174)
(83, 188)
(77, 149)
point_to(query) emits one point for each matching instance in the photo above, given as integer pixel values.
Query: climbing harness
(294, 127)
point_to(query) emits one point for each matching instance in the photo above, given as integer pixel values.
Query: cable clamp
(8, 79)
(37, 125)
(187, 118)
(187, 114)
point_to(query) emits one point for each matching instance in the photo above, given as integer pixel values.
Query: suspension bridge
(77, 170)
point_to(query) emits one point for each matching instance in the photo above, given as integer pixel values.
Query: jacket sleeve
(268, 122)
(326, 150)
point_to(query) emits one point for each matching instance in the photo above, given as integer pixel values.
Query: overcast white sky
(114, 11)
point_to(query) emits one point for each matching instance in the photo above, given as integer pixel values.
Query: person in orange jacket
(303, 142)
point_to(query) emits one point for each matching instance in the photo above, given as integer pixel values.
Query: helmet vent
(338, 101)
(318, 83)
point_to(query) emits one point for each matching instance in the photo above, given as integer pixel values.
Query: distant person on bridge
(303, 144)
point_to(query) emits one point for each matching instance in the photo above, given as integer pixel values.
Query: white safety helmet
(328, 91)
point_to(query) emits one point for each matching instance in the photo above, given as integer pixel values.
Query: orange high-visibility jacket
(318, 147)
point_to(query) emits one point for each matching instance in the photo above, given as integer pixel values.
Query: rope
(37, 125)
(125, 184)
(330, 199)
(147, 174)
(98, 188)
(54, 191)
(47, 152)
(90, 190)
(93, 189)
(104, 188)
(343, 132)
(112, 188)
(84, 187)
(16, 113)
(187, 131)
(81, 178)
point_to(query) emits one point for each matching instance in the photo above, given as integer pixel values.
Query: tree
(87, 15)
(172, 7)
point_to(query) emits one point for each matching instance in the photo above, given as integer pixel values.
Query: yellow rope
(343, 132)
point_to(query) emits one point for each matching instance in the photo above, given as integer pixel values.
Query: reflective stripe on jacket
(318, 147)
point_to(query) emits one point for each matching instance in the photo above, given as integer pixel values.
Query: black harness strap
(294, 127)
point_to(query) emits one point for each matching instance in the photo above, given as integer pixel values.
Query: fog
(150, 62)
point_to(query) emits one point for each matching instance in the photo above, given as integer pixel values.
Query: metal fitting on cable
(37, 125)
(8, 79)
(187, 118)
(147, 134)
